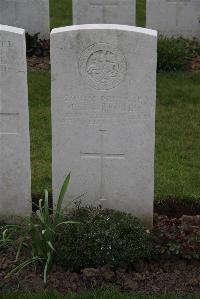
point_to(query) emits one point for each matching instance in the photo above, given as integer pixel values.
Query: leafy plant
(40, 236)
(177, 237)
(36, 46)
(174, 54)
(102, 237)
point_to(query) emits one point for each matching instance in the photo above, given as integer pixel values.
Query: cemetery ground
(173, 268)
(177, 192)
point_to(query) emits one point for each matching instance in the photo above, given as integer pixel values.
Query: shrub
(36, 46)
(101, 237)
(172, 54)
(175, 53)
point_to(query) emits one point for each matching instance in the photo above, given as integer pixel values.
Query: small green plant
(40, 236)
(102, 237)
(172, 54)
(177, 237)
(36, 46)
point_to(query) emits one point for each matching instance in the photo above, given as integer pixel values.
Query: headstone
(174, 17)
(104, 11)
(103, 115)
(15, 191)
(31, 15)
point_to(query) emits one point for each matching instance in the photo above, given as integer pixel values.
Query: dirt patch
(38, 63)
(194, 64)
(179, 276)
(176, 208)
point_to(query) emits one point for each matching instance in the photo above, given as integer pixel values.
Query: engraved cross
(103, 4)
(102, 155)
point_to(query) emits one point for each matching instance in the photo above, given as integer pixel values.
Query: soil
(38, 63)
(176, 208)
(194, 64)
(160, 275)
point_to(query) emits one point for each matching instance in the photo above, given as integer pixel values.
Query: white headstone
(31, 15)
(15, 190)
(103, 115)
(104, 11)
(174, 17)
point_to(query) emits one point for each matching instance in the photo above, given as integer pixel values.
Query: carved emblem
(102, 66)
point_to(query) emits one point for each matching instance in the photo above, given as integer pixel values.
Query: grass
(177, 134)
(140, 13)
(40, 130)
(96, 294)
(61, 13)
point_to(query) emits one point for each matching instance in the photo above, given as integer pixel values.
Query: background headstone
(103, 115)
(104, 11)
(15, 182)
(174, 17)
(31, 15)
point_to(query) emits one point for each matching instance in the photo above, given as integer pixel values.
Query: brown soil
(176, 208)
(38, 63)
(194, 64)
(177, 276)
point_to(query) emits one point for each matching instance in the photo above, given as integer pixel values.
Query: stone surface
(104, 11)
(15, 198)
(31, 15)
(103, 115)
(174, 17)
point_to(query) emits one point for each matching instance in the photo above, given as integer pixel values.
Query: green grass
(40, 129)
(98, 294)
(61, 13)
(141, 13)
(177, 134)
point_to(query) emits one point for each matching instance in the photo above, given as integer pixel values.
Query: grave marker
(103, 115)
(15, 193)
(104, 11)
(174, 17)
(31, 15)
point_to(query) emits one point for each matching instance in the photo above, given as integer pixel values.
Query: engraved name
(103, 106)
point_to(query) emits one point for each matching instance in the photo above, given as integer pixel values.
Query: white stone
(15, 183)
(31, 15)
(103, 115)
(174, 17)
(104, 11)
